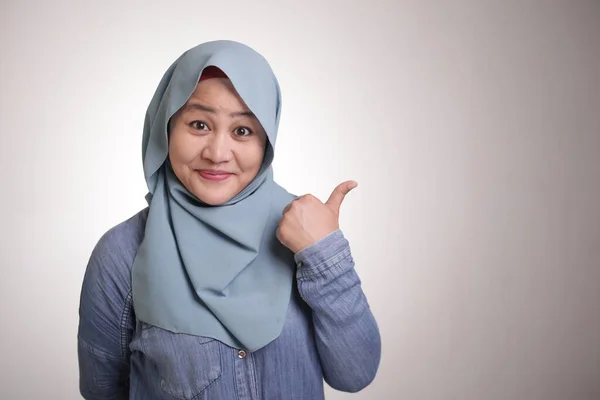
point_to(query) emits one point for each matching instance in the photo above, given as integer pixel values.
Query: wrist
(323, 251)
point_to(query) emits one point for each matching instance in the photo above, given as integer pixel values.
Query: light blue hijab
(213, 271)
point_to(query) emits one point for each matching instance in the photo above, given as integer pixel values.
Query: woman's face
(216, 144)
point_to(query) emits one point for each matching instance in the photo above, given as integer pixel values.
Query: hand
(306, 220)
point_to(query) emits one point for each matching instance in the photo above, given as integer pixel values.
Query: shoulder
(124, 237)
(113, 254)
(281, 197)
(104, 307)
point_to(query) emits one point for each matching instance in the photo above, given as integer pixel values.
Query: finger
(287, 208)
(339, 193)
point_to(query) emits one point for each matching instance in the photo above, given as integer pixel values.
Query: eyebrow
(198, 106)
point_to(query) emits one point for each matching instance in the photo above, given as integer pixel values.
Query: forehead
(217, 92)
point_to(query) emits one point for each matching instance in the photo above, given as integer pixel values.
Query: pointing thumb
(339, 193)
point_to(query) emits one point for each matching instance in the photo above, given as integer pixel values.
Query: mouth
(213, 175)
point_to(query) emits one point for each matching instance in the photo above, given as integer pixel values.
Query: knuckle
(285, 220)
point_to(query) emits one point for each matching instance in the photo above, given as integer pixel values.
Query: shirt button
(299, 264)
(242, 354)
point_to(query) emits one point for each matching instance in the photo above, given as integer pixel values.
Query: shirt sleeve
(105, 324)
(346, 333)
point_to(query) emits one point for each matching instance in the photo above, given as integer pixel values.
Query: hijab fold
(213, 271)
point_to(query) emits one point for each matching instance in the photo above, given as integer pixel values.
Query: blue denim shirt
(329, 335)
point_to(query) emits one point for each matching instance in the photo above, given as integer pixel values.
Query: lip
(214, 175)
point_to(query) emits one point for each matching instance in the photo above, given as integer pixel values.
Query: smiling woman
(226, 286)
(217, 144)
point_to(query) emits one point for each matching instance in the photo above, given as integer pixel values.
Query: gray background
(473, 129)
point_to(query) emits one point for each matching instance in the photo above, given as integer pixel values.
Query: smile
(214, 175)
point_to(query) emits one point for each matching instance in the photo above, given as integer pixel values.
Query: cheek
(182, 149)
(251, 157)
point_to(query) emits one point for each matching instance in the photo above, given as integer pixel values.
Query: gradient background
(473, 129)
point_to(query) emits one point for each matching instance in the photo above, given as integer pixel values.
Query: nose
(217, 149)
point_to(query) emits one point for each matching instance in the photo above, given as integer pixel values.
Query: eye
(199, 125)
(243, 131)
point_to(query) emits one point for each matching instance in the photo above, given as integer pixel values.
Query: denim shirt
(329, 335)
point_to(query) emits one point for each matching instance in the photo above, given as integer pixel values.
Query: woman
(226, 286)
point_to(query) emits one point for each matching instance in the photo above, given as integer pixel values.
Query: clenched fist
(306, 220)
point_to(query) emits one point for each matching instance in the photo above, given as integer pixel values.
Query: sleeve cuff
(323, 254)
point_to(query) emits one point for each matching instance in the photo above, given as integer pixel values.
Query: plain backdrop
(473, 129)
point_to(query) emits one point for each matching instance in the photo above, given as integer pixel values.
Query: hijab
(213, 271)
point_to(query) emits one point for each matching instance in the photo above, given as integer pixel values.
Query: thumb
(339, 193)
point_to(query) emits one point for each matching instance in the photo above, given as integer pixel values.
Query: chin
(210, 194)
(214, 202)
